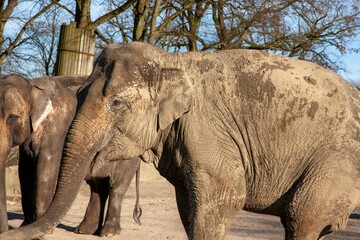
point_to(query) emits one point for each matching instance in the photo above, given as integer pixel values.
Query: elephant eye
(12, 118)
(116, 103)
(119, 104)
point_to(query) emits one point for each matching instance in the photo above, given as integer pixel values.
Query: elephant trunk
(78, 152)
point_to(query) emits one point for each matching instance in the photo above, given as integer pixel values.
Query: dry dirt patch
(160, 219)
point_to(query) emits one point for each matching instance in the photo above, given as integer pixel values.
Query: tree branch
(24, 28)
(110, 15)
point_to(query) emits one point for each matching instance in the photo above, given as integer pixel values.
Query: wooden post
(75, 51)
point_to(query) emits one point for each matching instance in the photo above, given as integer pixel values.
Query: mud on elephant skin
(230, 130)
(43, 109)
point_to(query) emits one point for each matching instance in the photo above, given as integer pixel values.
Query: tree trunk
(139, 21)
(82, 14)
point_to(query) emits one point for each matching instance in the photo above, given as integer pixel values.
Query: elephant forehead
(13, 103)
(122, 75)
(125, 75)
(16, 96)
(133, 77)
(134, 92)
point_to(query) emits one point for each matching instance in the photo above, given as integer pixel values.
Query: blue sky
(351, 61)
(352, 64)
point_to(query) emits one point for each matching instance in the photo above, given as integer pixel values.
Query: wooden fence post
(75, 51)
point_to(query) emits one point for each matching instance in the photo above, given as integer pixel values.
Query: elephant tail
(137, 209)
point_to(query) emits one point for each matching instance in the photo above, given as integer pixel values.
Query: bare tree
(36, 56)
(92, 25)
(186, 26)
(314, 30)
(151, 21)
(8, 43)
(5, 13)
(39, 41)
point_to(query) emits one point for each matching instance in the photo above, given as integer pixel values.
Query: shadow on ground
(20, 216)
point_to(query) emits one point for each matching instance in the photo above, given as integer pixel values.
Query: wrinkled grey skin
(109, 180)
(230, 130)
(36, 115)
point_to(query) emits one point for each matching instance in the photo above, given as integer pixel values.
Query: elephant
(230, 130)
(109, 180)
(36, 116)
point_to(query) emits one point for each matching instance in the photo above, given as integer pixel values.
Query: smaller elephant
(36, 116)
(109, 177)
(108, 183)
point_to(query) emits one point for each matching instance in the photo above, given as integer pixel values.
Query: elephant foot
(109, 230)
(87, 229)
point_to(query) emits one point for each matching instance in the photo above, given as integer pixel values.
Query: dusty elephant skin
(36, 115)
(109, 181)
(29, 109)
(230, 130)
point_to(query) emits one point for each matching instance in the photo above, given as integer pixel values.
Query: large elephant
(230, 130)
(36, 116)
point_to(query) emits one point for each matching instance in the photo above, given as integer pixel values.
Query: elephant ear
(41, 107)
(175, 96)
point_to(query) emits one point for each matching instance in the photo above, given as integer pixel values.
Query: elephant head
(132, 95)
(26, 107)
(129, 97)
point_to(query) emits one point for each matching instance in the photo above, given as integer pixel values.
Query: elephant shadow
(355, 216)
(20, 216)
(15, 216)
(66, 227)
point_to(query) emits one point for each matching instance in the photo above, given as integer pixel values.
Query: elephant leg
(119, 183)
(27, 172)
(320, 203)
(182, 201)
(3, 209)
(94, 215)
(214, 202)
(111, 226)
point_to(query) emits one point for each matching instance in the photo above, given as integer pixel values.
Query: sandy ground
(160, 219)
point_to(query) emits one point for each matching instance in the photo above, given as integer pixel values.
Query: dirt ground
(160, 219)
